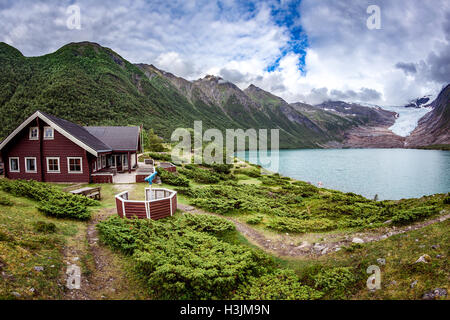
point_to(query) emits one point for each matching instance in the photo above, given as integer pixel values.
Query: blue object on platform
(149, 179)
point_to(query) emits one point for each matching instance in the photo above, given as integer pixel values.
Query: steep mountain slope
(243, 109)
(89, 84)
(434, 127)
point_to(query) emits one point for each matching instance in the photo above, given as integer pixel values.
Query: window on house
(14, 164)
(48, 133)
(103, 161)
(34, 133)
(30, 165)
(53, 164)
(74, 165)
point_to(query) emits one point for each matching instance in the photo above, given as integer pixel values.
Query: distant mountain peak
(210, 77)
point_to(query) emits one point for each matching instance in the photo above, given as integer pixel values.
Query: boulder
(357, 240)
(423, 259)
(434, 294)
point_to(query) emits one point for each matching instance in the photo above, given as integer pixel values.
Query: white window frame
(68, 164)
(53, 133)
(18, 164)
(59, 165)
(31, 131)
(35, 165)
(103, 162)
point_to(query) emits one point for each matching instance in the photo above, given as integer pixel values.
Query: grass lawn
(31, 260)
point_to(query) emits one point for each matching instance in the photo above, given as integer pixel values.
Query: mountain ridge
(90, 84)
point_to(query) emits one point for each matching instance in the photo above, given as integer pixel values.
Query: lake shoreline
(390, 173)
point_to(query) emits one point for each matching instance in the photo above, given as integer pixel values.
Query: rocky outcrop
(434, 127)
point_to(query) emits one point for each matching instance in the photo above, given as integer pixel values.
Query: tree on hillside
(154, 143)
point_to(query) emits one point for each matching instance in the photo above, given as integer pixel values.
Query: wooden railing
(162, 204)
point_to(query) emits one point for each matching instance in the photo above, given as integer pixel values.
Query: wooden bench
(90, 192)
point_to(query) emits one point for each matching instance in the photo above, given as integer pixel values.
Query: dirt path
(100, 275)
(287, 246)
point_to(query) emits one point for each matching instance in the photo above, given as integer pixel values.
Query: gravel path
(287, 247)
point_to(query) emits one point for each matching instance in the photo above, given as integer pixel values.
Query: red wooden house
(50, 149)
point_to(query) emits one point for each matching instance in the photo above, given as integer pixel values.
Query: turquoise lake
(390, 173)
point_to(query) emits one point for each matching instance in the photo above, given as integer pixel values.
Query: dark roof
(118, 138)
(80, 133)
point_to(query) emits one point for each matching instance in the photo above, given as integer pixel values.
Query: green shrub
(280, 285)
(447, 199)
(64, 208)
(159, 156)
(44, 227)
(286, 224)
(251, 172)
(207, 223)
(410, 215)
(222, 168)
(255, 220)
(221, 206)
(122, 234)
(4, 201)
(195, 265)
(5, 237)
(41, 191)
(179, 262)
(171, 178)
(336, 282)
(200, 175)
(185, 190)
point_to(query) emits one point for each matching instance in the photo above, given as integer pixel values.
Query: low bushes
(195, 265)
(251, 172)
(220, 206)
(44, 227)
(178, 261)
(335, 281)
(207, 223)
(285, 224)
(200, 175)
(280, 285)
(4, 201)
(410, 215)
(255, 220)
(159, 156)
(64, 208)
(447, 199)
(41, 191)
(171, 178)
(53, 202)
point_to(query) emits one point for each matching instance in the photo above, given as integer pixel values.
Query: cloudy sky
(309, 50)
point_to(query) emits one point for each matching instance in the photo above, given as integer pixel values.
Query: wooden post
(129, 161)
(41, 156)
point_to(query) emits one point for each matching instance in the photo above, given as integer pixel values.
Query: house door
(116, 162)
